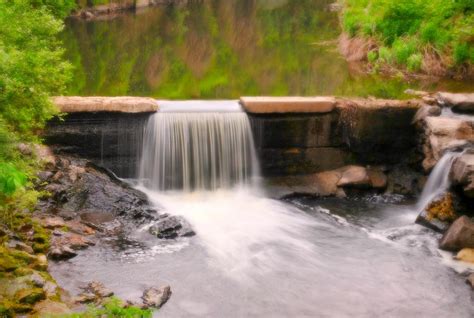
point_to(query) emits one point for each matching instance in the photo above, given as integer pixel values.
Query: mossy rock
(6, 311)
(442, 209)
(30, 296)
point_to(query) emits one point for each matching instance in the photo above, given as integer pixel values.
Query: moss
(30, 296)
(442, 209)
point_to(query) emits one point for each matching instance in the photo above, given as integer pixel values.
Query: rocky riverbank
(82, 204)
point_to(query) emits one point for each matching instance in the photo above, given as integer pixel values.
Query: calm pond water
(221, 49)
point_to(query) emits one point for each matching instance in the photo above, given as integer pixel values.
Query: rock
(61, 253)
(20, 246)
(42, 262)
(48, 308)
(426, 111)
(79, 228)
(71, 241)
(125, 104)
(416, 93)
(441, 134)
(52, 222)
(171, 227)
(37, 280)
(463, 103)
(462, 174)
(85, 298)
(50, 288)
(335, 7)
(442, 209)
(354, 176)
(25, 149)
(378, 179)
(44, 176)
(75, 173)
(97, 219)
(46, 155)
(261, 105)
(67, 215)
(459, 235)
(156, 297)
(466, 255)
(98, 290)
(470, 280)
(30, 296)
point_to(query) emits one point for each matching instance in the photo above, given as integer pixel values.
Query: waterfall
(198, 145)
(438, 181)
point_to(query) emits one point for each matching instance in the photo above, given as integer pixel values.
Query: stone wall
(293, 136)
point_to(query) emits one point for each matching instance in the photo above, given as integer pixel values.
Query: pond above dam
(222, 49)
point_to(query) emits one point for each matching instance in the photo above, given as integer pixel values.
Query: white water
(198, 145)
(438, 181)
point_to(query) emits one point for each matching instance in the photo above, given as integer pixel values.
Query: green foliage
(406, 29)
(10, 179)
(113, 308)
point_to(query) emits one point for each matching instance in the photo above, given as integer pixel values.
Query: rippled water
(257, 257)
(222, 49)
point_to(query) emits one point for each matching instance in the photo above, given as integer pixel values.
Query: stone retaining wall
(293, 135)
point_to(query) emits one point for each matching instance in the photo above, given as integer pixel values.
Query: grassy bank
(433, 37)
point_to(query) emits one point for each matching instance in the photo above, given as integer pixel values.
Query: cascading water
(198, 146)
(438, 181)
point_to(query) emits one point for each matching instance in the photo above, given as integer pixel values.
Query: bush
(405, 29)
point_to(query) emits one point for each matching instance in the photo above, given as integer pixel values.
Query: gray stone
(462, 174)
(171, 227)
(156, 297)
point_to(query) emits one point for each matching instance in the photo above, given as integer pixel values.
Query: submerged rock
(156, 297)
(459, 235)
(171, 227)
(470, 280)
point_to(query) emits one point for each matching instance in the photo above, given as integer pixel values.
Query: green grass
(407, 31)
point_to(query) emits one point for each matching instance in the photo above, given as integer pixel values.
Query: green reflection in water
(217, 49)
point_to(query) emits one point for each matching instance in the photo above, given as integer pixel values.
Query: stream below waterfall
(257, 257)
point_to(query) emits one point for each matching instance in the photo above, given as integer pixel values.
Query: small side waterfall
(438, 181)
(198, 145)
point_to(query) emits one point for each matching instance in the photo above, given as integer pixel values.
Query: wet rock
(470, 280)
(441, 134)
(52, 222)
(50, 288)
(61, 253)
(427, 111)
(463, 103)
(378, 179)
(78, 227)
(97, 219)
(30, 295)
(171, 227)
(41, 262)
(37, 279)
(156, 297)
(459, 235)
(354, 176)
(15, 244)
(465, 255)
(44, 175)
(462, 174)
(85, 298)
(97, 290)
(47, 308)
(67, 215)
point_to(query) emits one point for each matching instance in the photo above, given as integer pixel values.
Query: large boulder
(462, 174)
(459, 235)
(462, 103)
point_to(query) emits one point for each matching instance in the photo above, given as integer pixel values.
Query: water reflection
(217, 49)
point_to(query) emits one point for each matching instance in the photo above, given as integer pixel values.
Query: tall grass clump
(412, 34)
